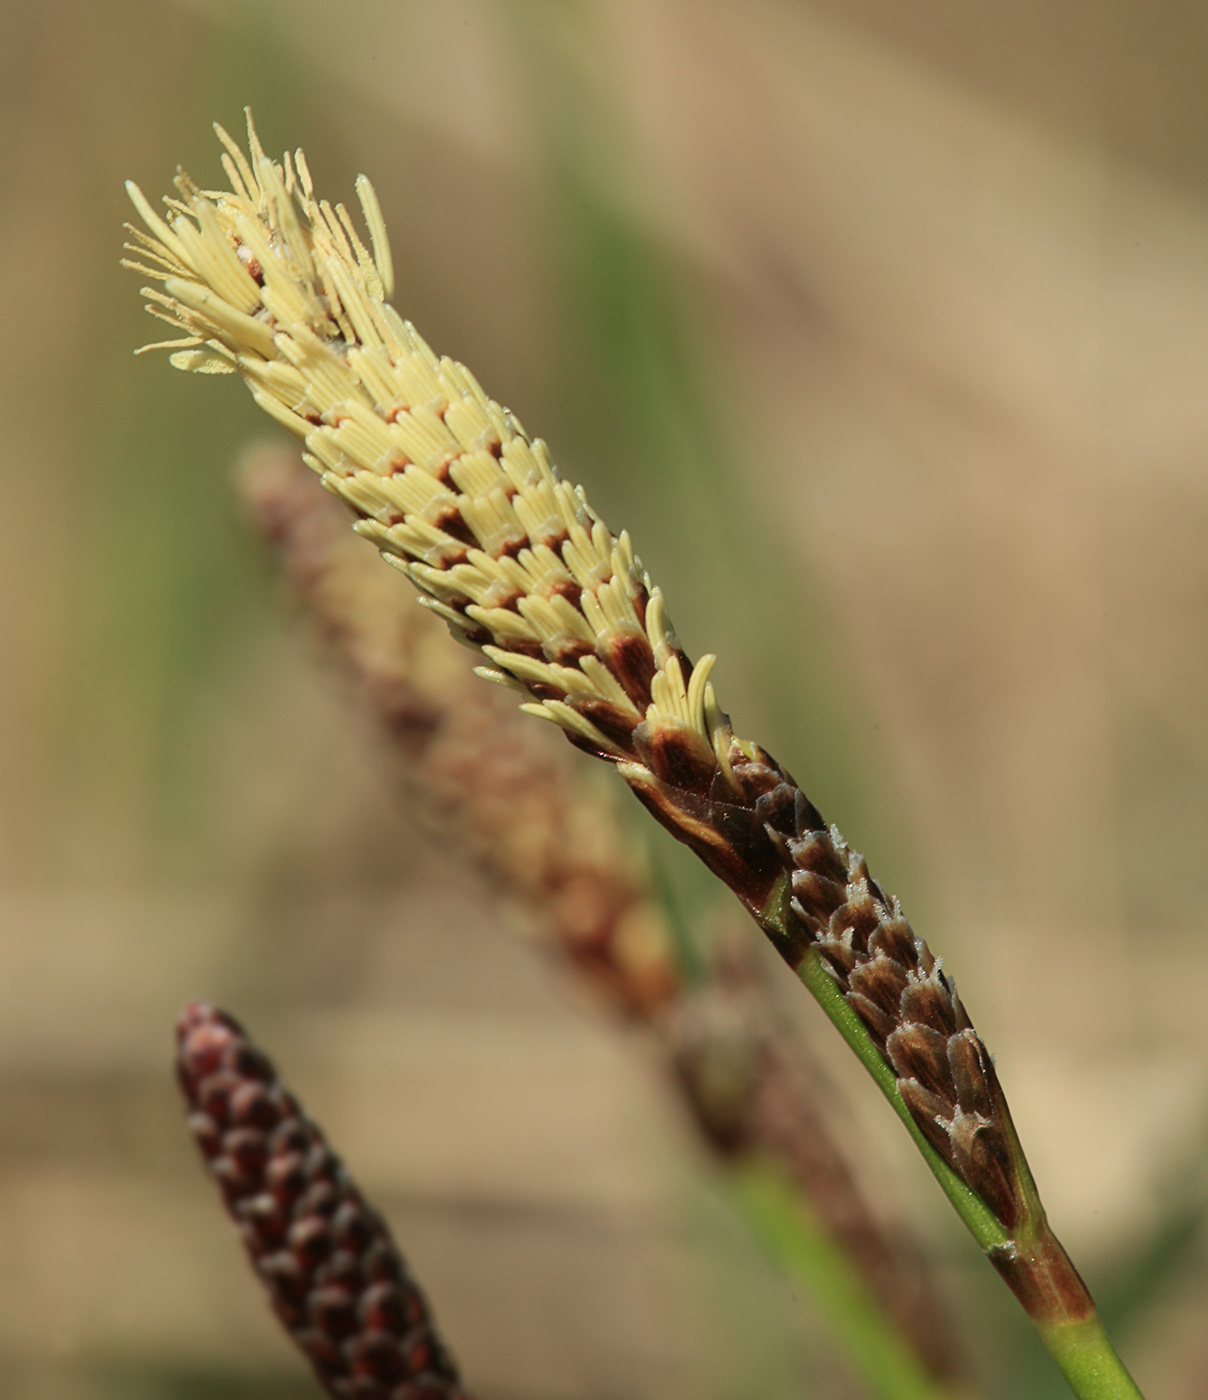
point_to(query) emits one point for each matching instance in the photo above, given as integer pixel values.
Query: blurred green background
(884, 329)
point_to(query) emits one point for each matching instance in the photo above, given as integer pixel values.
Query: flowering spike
(264, 279)
(332, 1271)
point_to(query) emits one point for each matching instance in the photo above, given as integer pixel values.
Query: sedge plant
(266, 281)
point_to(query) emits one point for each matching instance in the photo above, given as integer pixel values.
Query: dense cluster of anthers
(268, 282)
(335, 1278)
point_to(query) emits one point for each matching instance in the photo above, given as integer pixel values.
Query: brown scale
(879, 982)
(333, 1274)
(560, 588)
(511, 546)
(518, 646)
(554, 540)
(439, 469)
(612, 721)
(676, 753)
(448, 518)
(502, 595)
(542, 690)
(566, 649)
(920, 1053)
(627, 653)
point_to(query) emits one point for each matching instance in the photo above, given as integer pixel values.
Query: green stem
(788, 1229)
(1088, 1360)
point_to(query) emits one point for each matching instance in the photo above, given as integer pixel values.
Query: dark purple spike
(293, 1133)
(334, 1276)
(323, 1352)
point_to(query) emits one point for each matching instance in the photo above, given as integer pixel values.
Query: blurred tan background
(884, 329)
